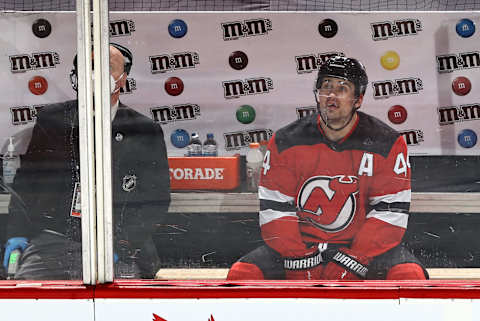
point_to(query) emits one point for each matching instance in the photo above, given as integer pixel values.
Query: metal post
(103, 141)
(87, 152)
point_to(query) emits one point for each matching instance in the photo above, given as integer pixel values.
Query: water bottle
(11, 162)
(13, 263)
(254, 166)
(195, 146)
(210, 146)
(263, 146)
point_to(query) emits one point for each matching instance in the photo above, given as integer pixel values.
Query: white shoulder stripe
(266, 216)
(267, 194)
(403, 196)
(393, 218)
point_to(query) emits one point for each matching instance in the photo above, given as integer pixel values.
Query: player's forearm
(279, 222)
(283, 236)
(376, 237)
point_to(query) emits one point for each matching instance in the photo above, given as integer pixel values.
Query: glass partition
(274, 173)
(41, 205)
(250, 145)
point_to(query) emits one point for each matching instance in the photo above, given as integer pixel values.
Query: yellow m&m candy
(390, 60)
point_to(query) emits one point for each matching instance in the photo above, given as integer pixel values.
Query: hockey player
(334, 192)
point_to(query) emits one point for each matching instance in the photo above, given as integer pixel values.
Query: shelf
(208, 202)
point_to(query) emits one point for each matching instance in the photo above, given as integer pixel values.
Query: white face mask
(113, 84)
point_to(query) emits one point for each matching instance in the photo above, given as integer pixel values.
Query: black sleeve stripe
(276, 206)
(397, 207)
(351, 264)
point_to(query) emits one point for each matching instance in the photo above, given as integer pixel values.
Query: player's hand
(11, 245)
(346, 265)
(305, 268)
(314, 273)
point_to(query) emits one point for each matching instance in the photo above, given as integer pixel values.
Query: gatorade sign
(204, 173)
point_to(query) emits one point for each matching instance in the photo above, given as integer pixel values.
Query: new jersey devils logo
(329, 203)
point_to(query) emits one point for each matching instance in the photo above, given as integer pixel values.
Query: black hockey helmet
(347, 68)
(126, 53)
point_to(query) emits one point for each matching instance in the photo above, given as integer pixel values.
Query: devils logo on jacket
(329, 203)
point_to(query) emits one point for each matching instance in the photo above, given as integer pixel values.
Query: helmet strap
(325, 118)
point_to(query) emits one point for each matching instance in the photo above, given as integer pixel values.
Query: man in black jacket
(45, 217)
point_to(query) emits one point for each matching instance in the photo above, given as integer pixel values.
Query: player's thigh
(379, 267)
(268, 261)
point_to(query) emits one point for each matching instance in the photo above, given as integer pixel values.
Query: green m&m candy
(245, 114)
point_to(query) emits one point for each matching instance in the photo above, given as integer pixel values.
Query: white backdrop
(271, 55)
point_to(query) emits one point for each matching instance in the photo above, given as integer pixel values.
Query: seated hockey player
(334, 192)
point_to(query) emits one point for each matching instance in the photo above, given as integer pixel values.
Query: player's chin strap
(325, 118)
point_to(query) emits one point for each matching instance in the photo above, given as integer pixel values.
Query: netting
(251, 5)
(375, 5)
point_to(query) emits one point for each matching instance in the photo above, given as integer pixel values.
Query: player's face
(336, 100)
(117, 72)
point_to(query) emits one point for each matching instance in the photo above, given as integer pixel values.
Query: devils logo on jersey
(329, 203)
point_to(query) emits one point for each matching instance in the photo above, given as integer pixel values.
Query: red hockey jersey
(355, 191)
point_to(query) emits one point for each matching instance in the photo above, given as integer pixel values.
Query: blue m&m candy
(467, 138)
(465, 28)
(177, 28)
(180, 138)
